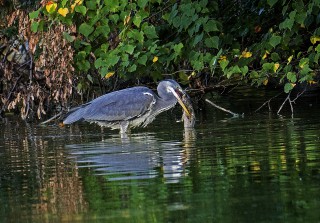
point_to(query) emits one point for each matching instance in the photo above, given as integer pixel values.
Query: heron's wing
(120, 105)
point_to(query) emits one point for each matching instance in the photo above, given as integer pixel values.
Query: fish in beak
(179, 94)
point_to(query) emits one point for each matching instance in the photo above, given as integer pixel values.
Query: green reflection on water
(257, 169)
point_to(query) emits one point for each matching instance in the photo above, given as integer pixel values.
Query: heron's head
(173, 87)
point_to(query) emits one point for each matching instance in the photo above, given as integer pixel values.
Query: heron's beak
(178, 97)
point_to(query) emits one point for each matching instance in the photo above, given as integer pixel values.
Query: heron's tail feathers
(75, 114)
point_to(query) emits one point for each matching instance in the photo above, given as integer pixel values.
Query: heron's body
(129, 107)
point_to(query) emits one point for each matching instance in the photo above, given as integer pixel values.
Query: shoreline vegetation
(56, 54)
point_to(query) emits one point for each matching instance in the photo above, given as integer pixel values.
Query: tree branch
(235, 115)
(290, 101)
(267, 102)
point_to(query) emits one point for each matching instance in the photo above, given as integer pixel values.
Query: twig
(298, 95)
(52, 118)
(235, 115)
(268, 101)
(287, 99)
(290, 101)
(177, 72)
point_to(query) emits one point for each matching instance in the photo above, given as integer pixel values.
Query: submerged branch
(290, 101)
(268, 102)
(235, 115)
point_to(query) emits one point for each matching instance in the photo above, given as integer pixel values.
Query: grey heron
(131, 107)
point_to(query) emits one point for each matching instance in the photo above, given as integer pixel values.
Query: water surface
(259, 168)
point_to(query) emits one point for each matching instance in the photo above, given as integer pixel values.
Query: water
(260, 168)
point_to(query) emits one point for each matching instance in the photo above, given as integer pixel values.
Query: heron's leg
(124, 127)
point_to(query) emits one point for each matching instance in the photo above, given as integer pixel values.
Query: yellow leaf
(222, 58)
(265, 82)
(289, 59)
(246, 54)
(78, 2)
(51, 7)
(276, 67)
(155, 59)
(265, 55)
(110, 74)
(63, 11)
(314, 39)
(126, 19)
(72, 6)
(312, 82)
(193, 74)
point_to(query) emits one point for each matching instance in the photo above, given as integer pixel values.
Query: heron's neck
(163, 104)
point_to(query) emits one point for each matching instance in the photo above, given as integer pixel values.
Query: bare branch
(290, 101)
(287, 98)
(267, 102)
(235, 115)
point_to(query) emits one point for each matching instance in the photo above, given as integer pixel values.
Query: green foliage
(251, 41)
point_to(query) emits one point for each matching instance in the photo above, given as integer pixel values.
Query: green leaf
(235, 69)
(81, 55)
(318, 48)
(114, 18)
(287, 24)
(98, 63)
(210, 26)
(129, 48)
(142, 60)
(112, 60)
(305, 70)
(142, 3)
(275, 57)
(224, 64)
(112, 5)
(150, 32)
(197, 65)
(137, 19)
(291, 77)
(177, 48)
(34, 14)
(132, 68)
(272, 2)
(212, 42)
(102, 30)
(244, 70)
(267, 66)
(275, 40)
(136, 35)
(83, 65)
(288, 87)
(34, 26)
(254, 75)
(303, 62)
(197, 39)
(92, 5)
(301, 17)
(68, 37)
(85, 29)
(81, 9)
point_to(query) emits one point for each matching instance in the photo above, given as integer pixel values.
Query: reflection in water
(262, 168)
(35, 178)
(138, 156)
